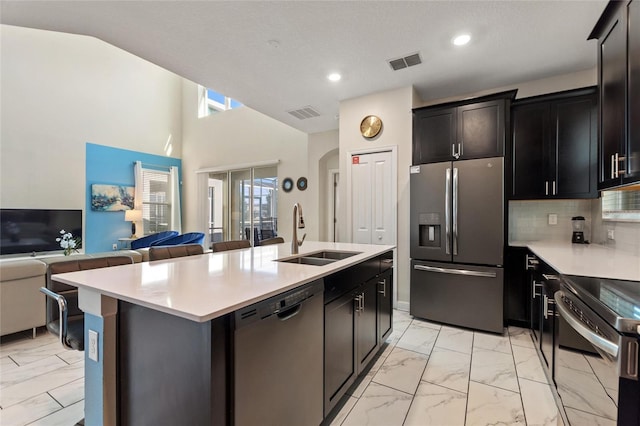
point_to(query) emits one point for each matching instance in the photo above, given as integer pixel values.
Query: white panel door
(372, 204)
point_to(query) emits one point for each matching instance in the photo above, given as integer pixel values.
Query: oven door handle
(596, 340)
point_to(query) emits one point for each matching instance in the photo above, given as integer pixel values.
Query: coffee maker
(577, 222)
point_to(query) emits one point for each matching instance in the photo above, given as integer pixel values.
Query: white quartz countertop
(588, 260)
(210, 285)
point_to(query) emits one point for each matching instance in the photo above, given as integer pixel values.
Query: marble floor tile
(358, 388)
(449, 369)
(344, 411)
(539, 405)
(22, 391)
(402, 370)
(577, 417)
(455, 339)
(426, 323)
(68, 416)
(29, 371)
(6, 364)
(574, 360)
(39, 353)
(528, 364)
(71, 357)
(69, 393)
(492, 342)
(436, 405)
(488, 405)
(418, 338)
(607, 375)
(583, 391)
(379, 405)
(494, 368)
(20, 342)
(521, 337)
(29, 410)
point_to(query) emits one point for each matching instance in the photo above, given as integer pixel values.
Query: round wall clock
(287, 184)
(302, 183)
(370, 126)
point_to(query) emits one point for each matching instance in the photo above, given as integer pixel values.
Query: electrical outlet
(553, 219)
(115, 246)
(610, 234)
(93, 345)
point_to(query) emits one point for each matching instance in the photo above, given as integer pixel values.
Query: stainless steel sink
(319, 258)
(303, 260)
(332, 254)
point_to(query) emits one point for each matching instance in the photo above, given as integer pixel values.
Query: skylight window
(211, 102)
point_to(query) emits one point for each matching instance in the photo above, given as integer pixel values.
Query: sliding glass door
(243, 204)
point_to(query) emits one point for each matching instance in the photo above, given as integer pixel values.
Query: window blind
(156, 201)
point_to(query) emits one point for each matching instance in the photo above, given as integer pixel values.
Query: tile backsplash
(529, 221)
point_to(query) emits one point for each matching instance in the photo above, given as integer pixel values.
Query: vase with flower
(68, 242)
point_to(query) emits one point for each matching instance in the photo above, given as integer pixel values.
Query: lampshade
(133, 215)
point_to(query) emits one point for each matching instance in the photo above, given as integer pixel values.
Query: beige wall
(240, 136)
(59, 91)
(394, 108)
(323, 154)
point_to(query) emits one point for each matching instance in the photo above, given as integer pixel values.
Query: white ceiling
(227, 45)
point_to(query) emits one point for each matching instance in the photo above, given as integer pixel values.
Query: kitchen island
(165, 328)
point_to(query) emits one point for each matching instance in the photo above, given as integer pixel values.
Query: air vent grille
(304, 112)
(407, 61)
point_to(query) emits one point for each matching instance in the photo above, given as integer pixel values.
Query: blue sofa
(146, 241)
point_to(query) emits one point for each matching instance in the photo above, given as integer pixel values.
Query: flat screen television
(36, 230)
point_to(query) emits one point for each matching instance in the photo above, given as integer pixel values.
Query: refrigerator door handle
(455, 271)
(455, 211)
(447, 210)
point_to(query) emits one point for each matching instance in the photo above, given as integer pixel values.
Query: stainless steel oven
(598, 385)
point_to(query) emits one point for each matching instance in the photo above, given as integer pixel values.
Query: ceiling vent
(407, 61)
(304, 113)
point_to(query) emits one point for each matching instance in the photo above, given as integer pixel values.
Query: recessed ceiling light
(334, 77)
(462, 39)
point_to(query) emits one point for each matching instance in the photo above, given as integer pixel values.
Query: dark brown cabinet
(517, 303)
(554, 146)
(357, 319)
(461, 130)
(618, 34)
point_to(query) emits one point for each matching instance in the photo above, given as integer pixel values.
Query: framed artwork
(111, 198)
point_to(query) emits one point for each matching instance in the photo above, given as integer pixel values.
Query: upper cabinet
(554, 146)
(461, 130)
(618, 34)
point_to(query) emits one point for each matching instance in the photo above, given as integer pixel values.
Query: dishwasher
(278, 359)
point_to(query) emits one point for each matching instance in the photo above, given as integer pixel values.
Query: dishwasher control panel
(278, 304)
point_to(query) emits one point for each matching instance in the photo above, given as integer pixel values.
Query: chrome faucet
(297, 210)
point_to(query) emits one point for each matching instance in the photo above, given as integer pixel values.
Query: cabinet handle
(550, 277)
(384, 287)
(460, 149)
(545, 306)
(617, 162)
(453, 150)
(530, 262)
(546, 187)
(358, 304)
(362, 302)
(535, 285)
(554, 188)
(613, 166)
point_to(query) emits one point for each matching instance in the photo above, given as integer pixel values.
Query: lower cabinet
(356, 325)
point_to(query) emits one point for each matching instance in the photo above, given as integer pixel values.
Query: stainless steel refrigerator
(457, 242)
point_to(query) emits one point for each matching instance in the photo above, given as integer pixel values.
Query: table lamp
(133, 216)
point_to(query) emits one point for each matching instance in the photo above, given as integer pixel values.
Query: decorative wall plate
(302, 183)
(287, 184)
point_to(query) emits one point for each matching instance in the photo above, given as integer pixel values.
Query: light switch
(93, 345)
(553, 219)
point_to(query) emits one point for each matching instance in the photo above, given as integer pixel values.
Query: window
(622, 205)
(243, 204)
(211, 102)
(156, 201)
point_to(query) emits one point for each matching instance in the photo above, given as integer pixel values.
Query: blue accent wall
(113, 166)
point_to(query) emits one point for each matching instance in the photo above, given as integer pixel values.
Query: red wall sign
(355, 160)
